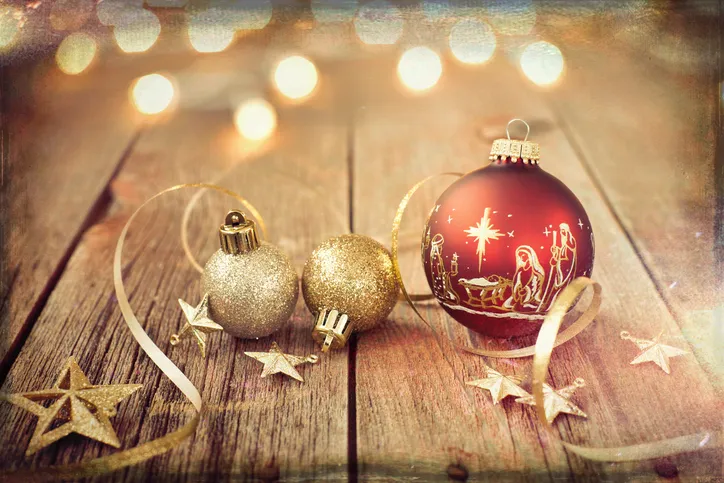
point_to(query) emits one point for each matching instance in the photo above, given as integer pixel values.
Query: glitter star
(654, 351)
(81, 407)
(275, 361)
(483, 233)
(198, 324)
(500, 386)
(556, 401)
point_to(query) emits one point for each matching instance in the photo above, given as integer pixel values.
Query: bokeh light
(296, 77)
(9, 26)
(419, 68)
(435, 10)
(75, 53)
(112, 12)
(379, 23)
(542, 62)
(472, 41)
(137, 31)
(209, 31)
(250, 14)
(255, 119)
(152, 94)
(328, 11)
(511, 17)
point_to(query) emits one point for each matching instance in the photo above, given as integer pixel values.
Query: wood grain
(670, 148)
(254, 427)
(63, 146)
(434, 423)
(394, 405)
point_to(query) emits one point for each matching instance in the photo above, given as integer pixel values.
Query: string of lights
(472, 40)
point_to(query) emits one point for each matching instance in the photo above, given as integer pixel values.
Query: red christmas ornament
(502, 242)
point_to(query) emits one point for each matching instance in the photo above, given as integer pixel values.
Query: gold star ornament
(653, 351)
(275, 361)
(76, 406)
(500, 386)
(557, 401)
(198, 324)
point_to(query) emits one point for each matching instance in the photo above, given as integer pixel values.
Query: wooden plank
(415, 417)
(665, 196)
(253, 428)
(61, 147)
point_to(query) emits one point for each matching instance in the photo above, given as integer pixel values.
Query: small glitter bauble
(351, 275)
(252, 287)
(502, 242)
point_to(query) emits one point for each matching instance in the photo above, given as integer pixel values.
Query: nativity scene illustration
(530, 291)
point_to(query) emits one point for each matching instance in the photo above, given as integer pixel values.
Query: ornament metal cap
(332, 329)
(515, 150)
(238, 234)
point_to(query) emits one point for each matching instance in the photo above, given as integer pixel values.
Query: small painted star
(580, 224)
(511, 234)
(654, 351)
(276, 361)
(78, 405)
(483, 232)
(546, 232)
(557, 401)
(437, 207)
(449, 219)
(198, 324)
(500, 386)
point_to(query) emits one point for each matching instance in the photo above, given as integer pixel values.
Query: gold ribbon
(145, 451)
(246, 204)
(544, 345)
(548, 339)
(187, 215)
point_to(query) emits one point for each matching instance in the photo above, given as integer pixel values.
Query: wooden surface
(394, 404)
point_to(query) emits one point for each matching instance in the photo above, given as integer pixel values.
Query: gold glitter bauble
(352, 274)
(251, 294)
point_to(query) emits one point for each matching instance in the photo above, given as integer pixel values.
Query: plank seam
(352, 463)
(570, 136)
(97, 211)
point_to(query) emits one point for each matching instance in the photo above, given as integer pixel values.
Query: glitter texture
(354, 275)
(76, 406)
(251, 294)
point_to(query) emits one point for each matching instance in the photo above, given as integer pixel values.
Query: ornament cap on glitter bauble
(503, 241)
(252, 286)
(349, 285)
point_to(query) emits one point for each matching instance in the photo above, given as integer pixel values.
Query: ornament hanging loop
(507, 128)
(235, 218)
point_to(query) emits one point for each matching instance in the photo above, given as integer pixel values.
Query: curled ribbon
(544, 345)
(187, 215)
(254, 212)
(145, 451)
(550, 338)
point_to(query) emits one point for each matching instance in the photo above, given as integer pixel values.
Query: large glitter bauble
(502, 242)
(353, 275)
(252, 286)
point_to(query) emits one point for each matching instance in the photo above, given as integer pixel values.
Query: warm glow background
(323, 113)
